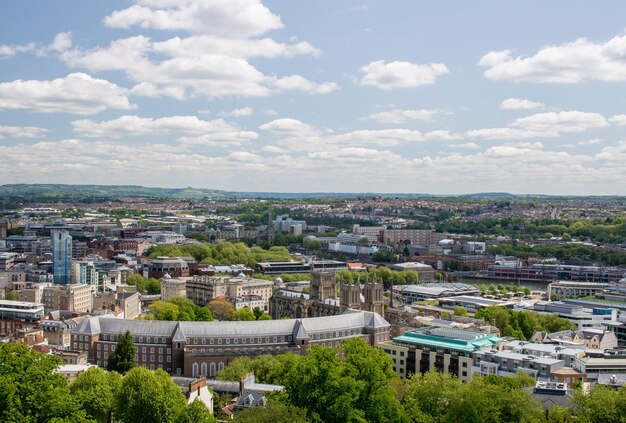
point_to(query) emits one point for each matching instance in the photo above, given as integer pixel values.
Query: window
(152, 357)
(169, 359)
(169, 350)
(141, 339)
(219, 341)
(151, 350)
(98, 354)
(148, 339)
(211, 341)
(143, 357)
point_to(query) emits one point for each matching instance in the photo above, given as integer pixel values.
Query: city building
(508, 363)
(412, 293)
(592, 338)
(75, 297)
(284, 223)
(445, 350)
(426, 273)
(583, 317)
(571, 289)
(473, 303)
(372, 233)
(61, 248)
(173, 287)
(18, 315)
(203, 289)
(323, 301)
(416, 237)
(176, 267)
(597, 366)
(188, 348)
(554, 272)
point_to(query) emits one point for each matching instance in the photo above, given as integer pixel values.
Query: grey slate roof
(351, 319)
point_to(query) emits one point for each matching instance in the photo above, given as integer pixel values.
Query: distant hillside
(106, 191)
(94, 193)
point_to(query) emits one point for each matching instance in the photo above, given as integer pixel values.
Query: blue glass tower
(61, 246)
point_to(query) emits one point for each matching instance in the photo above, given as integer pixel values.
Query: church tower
(349, 296)
(323, 285)
(374, 299)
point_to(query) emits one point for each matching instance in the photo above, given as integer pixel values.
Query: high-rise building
(61, 247)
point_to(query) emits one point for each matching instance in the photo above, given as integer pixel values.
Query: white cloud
(508, 134)
(273, 149)
(288, 126)
(442, 134)
(231, 18)
(299, 83)
(22, 131)
(520, 104)
(179, 68)
(594, 141)
(206, 132)
(619, 120)
(571, 121)
(77, 93)
(244, 111)
(399, 74)
(571, 62)
(614, 153)
(469, 145)
(12, 50)
(401, 116)
(198, 45)
(62, 41)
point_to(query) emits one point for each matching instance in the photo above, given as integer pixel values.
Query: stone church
(323, 301)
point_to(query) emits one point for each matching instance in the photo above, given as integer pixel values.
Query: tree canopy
(221, 253)
(123, 358)
(180, 308)
(522, 324)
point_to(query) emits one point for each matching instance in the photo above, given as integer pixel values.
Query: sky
(403, 96)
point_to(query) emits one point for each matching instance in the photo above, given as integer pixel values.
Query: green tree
(150, 396)
(275, 412)
(257, 312)
(96, 392)
(123, 358)
(221, 309)
(30, 391)
(12, 296)
(242, 314)
(197, 412)
(460, 311)
(383, 256)
(164, 310)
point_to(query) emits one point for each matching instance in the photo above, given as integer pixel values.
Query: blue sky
(355, 96)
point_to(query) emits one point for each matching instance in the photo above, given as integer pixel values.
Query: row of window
(201, 370)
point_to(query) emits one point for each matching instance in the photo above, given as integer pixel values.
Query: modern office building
(16, 315)
(61, 248)
(446, 350)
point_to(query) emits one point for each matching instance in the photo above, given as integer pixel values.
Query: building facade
(61, 248)
(323, 301)
(201, 349)
(445, 350)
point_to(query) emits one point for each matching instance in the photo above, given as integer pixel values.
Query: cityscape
(261, 211)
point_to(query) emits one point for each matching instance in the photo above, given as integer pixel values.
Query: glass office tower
(61, 246)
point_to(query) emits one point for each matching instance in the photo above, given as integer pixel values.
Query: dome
(167, 276)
